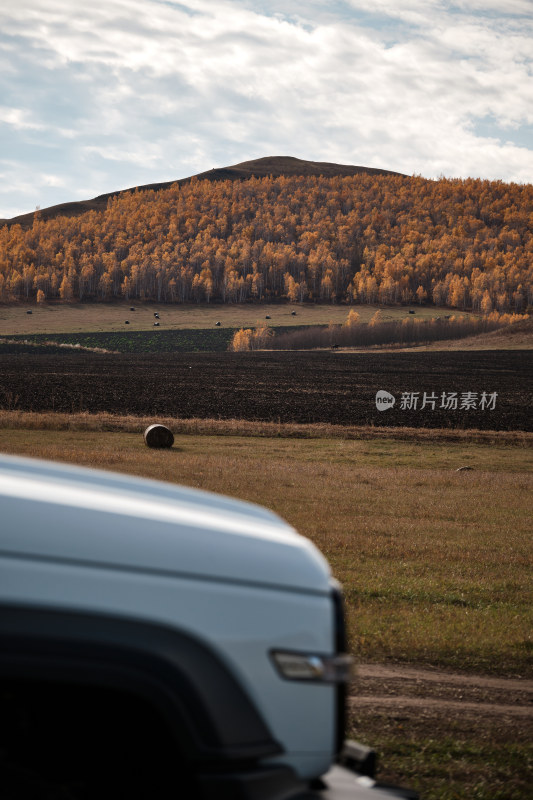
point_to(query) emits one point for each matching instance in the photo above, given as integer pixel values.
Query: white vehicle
(158, 641)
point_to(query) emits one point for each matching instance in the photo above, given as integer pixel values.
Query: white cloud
(138, 91)
(19, 119)
(51, 180)
(495, 6)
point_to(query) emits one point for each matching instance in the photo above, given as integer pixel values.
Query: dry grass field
(435, 563)
(91, 317)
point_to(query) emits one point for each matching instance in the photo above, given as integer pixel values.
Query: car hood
(63, 513)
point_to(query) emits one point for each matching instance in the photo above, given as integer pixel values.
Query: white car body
(229, 572)
(230, 575)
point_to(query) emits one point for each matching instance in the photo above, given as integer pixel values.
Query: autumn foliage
(361, 239)
(251, 339)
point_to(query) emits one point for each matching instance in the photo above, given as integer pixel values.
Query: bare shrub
(407, 331)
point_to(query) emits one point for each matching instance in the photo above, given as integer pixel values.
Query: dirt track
(402, 701)
(462, 726)
(429, 691)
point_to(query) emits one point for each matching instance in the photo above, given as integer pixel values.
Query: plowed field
(288, 387)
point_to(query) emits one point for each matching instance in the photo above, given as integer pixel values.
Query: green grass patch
(452, 769)
(131, 341)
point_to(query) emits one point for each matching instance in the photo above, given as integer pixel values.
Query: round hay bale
(132, 308)
(158, 436)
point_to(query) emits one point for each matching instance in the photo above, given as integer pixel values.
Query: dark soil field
(339, 388)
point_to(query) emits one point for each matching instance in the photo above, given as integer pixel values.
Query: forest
(366, 238)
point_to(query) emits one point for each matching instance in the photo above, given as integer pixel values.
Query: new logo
(384, 400)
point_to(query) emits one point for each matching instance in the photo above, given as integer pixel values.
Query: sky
(108, 94)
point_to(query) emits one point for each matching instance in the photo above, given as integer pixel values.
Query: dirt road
(429, 692)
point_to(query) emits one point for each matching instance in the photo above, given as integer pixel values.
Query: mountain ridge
(245, 170)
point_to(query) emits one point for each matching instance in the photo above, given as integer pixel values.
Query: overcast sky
(108, 94)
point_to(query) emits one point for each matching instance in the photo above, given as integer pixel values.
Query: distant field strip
(467, 390)
(218, 340)
(65, 318)
(132, 341)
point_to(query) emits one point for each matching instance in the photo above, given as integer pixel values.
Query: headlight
(312, 667)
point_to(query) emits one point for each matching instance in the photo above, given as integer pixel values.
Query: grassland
(110, 317)
(452, 758)
(436, 564)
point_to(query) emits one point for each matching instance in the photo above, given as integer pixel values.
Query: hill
(365, 238)
(275, 166)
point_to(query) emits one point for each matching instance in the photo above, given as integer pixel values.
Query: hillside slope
(364, 238)
(257, 168)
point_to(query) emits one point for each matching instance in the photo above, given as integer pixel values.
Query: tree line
(366, 238)
(376, 332)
